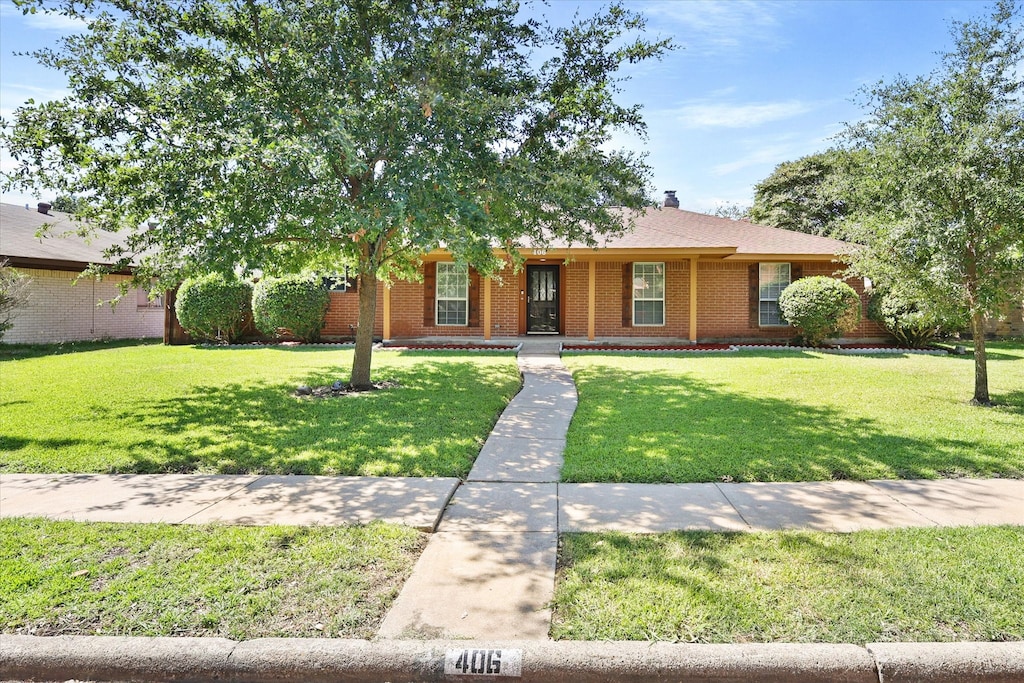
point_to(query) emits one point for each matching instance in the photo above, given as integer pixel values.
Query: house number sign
(481, 662)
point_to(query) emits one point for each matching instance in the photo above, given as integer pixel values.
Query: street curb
(101, 658)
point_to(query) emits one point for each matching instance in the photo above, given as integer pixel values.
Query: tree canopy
(811, 194)
(942, 218)
(280, 135)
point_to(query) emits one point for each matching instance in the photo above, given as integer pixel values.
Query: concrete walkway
(488, 570)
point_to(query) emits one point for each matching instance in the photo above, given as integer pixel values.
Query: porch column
(693, 299)
(487, 309)
(592, 300)
(387, 312)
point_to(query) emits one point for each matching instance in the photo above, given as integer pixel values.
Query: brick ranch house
(678, 276)
(59, 308)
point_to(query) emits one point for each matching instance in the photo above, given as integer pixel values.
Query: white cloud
(716, 27)
(44, 20)
(772, 154)
(724, 115)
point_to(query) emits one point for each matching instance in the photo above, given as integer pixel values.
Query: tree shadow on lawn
(677, 428)
(433, 424)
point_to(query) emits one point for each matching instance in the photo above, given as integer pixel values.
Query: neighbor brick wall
(60, 309)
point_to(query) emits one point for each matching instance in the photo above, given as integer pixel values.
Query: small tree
(213, 307)
(291, 305)
(945, 171)
(13, 295)
(820, 307)
(911, 322)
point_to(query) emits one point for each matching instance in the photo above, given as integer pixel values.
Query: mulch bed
(338, 389)
(451, 347)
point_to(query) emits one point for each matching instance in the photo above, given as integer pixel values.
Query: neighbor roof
(61, 249)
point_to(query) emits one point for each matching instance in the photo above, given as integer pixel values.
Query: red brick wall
(722, 305)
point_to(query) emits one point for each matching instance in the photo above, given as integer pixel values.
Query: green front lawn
(793, 416)
(153, 408)
(961, 584)
(73, 578)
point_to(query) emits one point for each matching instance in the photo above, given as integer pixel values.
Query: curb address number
(482, 662)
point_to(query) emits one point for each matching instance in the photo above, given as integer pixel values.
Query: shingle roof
(18, 241)
(670, 228)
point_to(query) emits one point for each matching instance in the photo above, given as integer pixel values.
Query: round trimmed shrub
(820, 307)
(905, 319)
(213, 307)
(293, 305)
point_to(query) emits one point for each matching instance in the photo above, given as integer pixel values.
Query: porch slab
(840, 506)
(494, 506)
(960, 502)
(645, 508)
(518, 459)
(303, 500)
(170, 498)
(478, 585)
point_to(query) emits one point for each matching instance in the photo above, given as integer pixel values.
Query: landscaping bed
(75, 578)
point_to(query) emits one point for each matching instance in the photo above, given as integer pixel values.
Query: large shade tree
(812, 194)
(943, 218)
(278, 135)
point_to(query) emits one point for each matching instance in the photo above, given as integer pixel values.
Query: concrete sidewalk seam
(218, 502)
(733, 505)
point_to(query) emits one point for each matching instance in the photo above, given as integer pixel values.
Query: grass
(115, 408)
(73, 578)
(959, 584)
(793, 416)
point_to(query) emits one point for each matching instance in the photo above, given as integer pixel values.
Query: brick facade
(723, 304)
(60, 309)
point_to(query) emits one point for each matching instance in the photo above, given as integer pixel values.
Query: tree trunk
(367, 288)
(981, 396)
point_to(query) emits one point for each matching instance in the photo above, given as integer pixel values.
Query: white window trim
(661, 299)
(438, 298)
(760, 266)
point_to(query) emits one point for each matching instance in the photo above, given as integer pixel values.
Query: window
(142, 300)
(772, 279)
(648, 293)
(452, 294)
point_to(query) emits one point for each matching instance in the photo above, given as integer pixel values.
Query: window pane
(771, 314)
(648, 313)
(450, 312)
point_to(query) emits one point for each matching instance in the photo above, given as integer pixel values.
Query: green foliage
(911, 322)
(240, 582)
(284, 135)
(944, 174)
(13, 295)
(811, 194)
(790, 416)
(213, 307)
(231, 410)
(820, 307)
(292, 305)
(952, 584)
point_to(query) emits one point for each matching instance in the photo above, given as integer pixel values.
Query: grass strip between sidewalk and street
(162, 409)
(950, 584)
(793, 416)
(75, 578)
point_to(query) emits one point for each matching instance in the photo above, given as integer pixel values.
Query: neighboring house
(678, 275)
(60, 306)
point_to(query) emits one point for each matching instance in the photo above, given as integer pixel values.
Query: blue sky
(752, 84)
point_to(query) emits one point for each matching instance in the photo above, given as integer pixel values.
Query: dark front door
(542, 299)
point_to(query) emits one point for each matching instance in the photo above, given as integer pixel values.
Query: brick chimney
(43, 207)
(670, 200)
